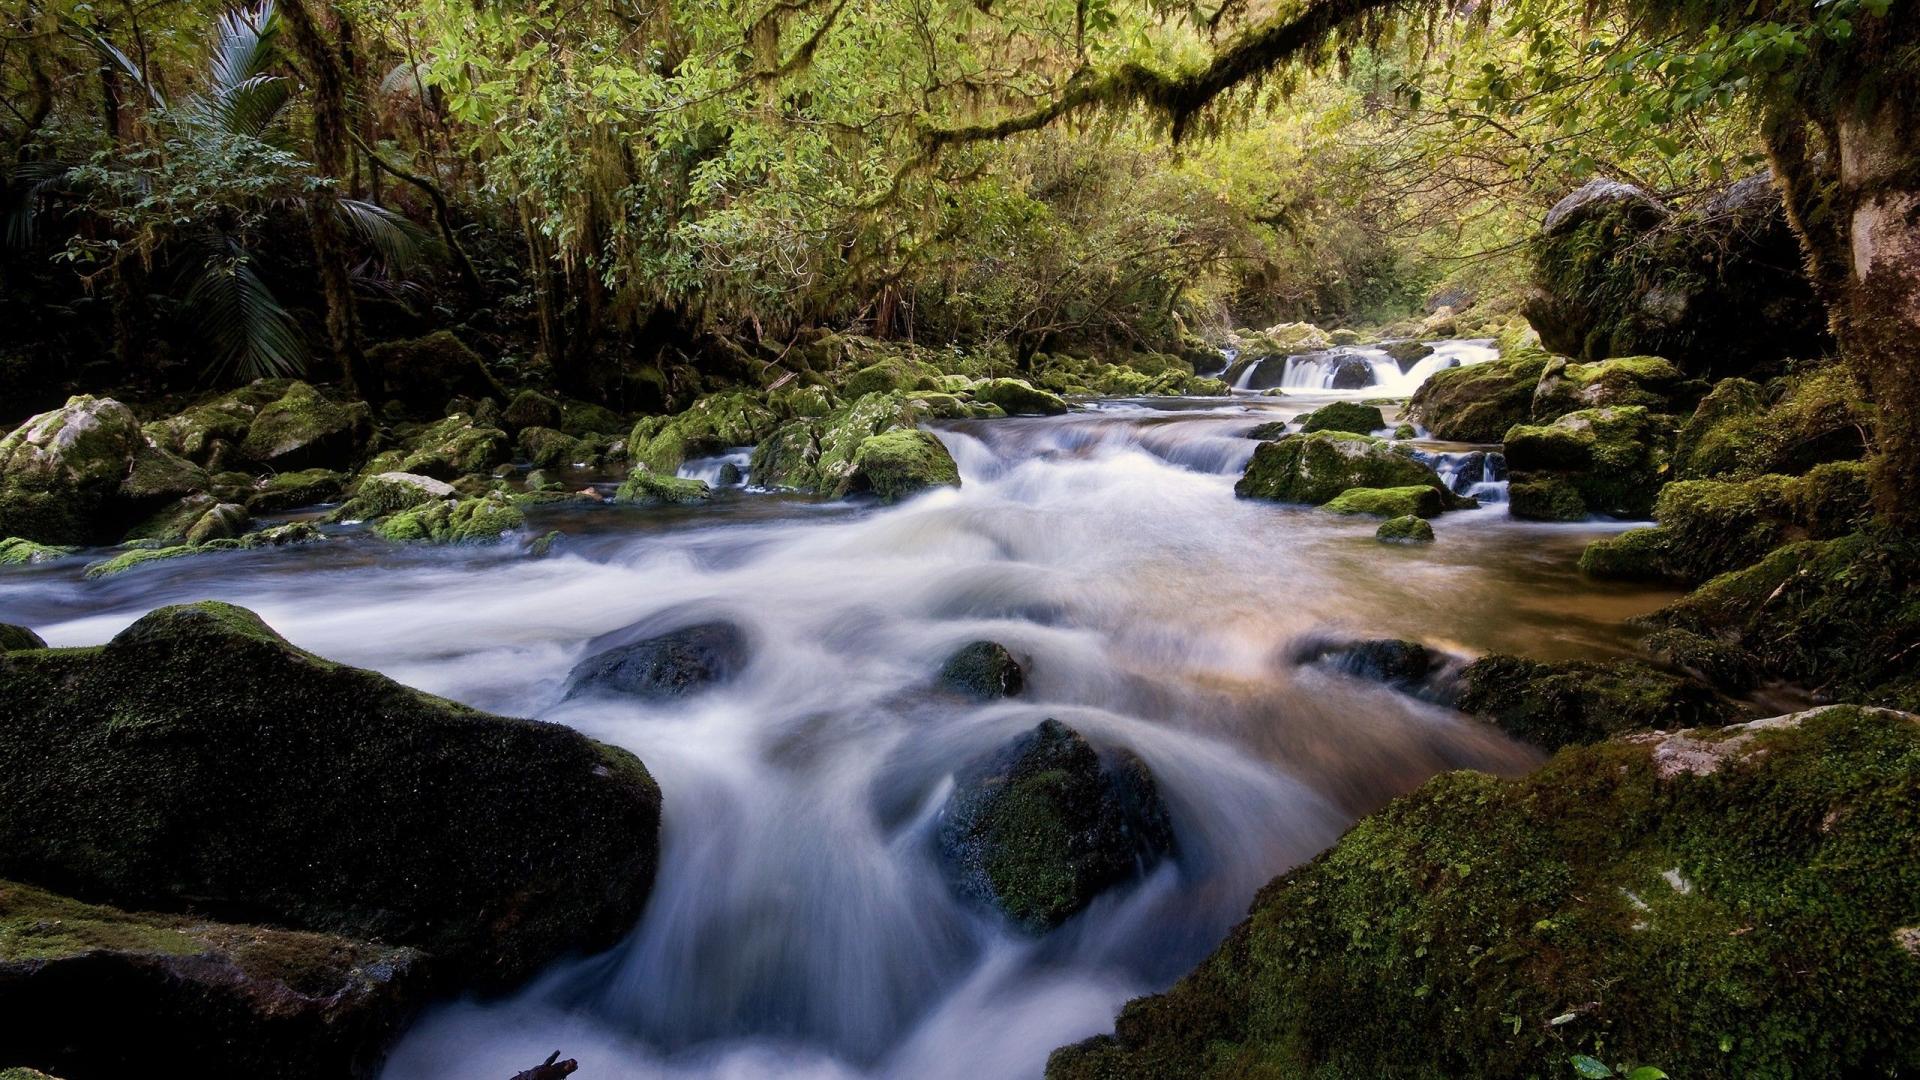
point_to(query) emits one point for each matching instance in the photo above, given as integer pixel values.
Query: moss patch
(1555, 705)
(896, 464)
(1416, 501)
(1317, 468)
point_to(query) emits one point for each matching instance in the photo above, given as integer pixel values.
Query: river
(800, 925)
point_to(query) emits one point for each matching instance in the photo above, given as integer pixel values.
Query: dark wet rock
(424, 373)
(1343, 416)
(1764, 870)
(1044, 824)
(14, 637)
(1479, 402)
(1402, 664)
(669, 665)
(1719, 287)
(984, 670)
(530, 408)
(729, 475)
(189, 996)
(1348, 371)
(1267, 432)
(1407, 353)
(199, 762)
(1576, 701)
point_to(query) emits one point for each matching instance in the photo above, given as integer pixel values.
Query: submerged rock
(1577, 701)
(896, 464)
(1764, 871)
(200, 762)
(668, 665)
(1404, 530)
(1041, 826)
(1402, 664)
(983, 670)
(1316, 468)
(232, 1000)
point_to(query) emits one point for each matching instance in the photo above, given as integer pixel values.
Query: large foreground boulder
(1723, 902)
(1596, 461)
(1041, 826)
(896, 464)
(93, 991)
(84, 473)
(1719, 288)
(306, 430)
(1317, 468)
(200, 762)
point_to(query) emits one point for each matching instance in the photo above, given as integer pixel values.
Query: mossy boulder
(1479, 403)
(1042, 825)
(1343, 416)
(1407, 529)
(1018, 397)
(138, 557)
(384, 493)
(1577, 701)
(583, 418)
(1647, 381)
(711, 425)
(817, 454)
(18, 551)
(1719, 664)
(1407, 353)
(84, 472)
(1269, 431)
(1837, 616)
(1317, 468)
(897, 372)
(424, 373)
(234, 1000)
(984, 671)
(292, 490)
(303, 429)
(530, 408)
(198, 761)
(224, 521)
(547, 448)
(1718, 287)
(464, 521)
(1718, 902)
(1742, 430)
(896, 464)
(456, 446)
(1419, 500)
(645, 488)
(659, 666)
(1614, 458)
(1711, 527)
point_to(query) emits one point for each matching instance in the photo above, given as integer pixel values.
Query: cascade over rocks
(1042, 825)
(1477, 906)
(660, 666)
(198, 761)
(84, 472)
(1718, 287)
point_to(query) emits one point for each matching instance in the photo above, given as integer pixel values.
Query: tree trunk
(330, 136)
(1857, 209)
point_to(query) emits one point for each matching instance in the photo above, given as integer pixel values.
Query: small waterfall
(1481, 474)
(1358, 368)
(720, 470)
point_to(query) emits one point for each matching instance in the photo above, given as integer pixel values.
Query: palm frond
(253, 335)
(26, 183)
(242, 97)
(399, 243)
(405, 80)
(120, 61)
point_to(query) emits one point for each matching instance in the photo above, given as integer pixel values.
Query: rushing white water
(1363, 369)
(800, 925)
(720, 470)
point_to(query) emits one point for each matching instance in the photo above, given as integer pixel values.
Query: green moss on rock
(14, 638)
(292, 490)
(84, 472)
(1742, 430)
(713, 424)
(1615, 459)
(456, 446)
(1317, 468)
(465, 521)
(383, 493)
(1416, 501)
(198, 760)
(646, 488)
(1728, 902)
(1406, 529)
(1343, 416)
(896, 464)
(304, 430)
(1479, 402)
(984, 671)
(1018, 397)
(1560, 704)
(18, 551)
(424, 373)
(1646, 381)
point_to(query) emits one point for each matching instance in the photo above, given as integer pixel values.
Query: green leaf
(1590, 1068)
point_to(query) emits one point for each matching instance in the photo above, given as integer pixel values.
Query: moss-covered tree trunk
(1854, 197)
(330, 138)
